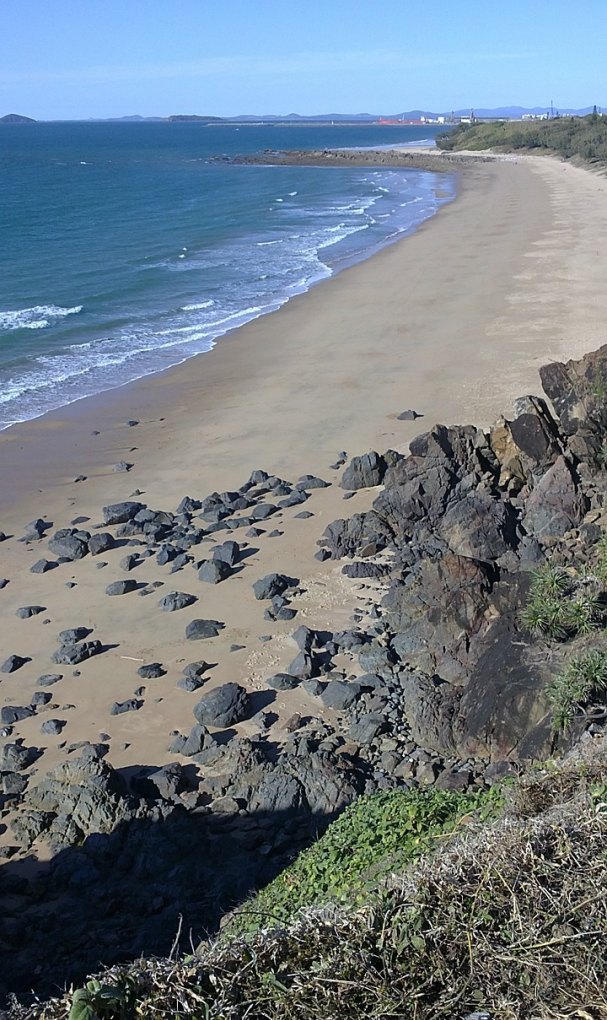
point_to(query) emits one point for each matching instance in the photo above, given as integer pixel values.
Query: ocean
(126, 248)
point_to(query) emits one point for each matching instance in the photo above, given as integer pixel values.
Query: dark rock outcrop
(465, 517)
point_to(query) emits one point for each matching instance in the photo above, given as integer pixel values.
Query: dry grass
(509, 920)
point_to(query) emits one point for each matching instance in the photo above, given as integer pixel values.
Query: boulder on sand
(224, 706)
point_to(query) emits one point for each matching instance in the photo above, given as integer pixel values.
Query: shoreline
(110, 408)
(452, 322)
(120, 357)
(443, 194)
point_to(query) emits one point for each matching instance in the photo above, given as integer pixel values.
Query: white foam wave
(306, 245)
(37, 317)
(196, 307)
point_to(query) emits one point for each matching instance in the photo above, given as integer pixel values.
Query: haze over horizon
(69, 60)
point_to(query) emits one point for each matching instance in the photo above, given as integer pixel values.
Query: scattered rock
(311, 482)
(175, 600)
(151, 671)
(303, 666)
(223, 706)
(340, 694)
(52, 727)
(10, 714)
(303, 638)
(73, 634)
(72, 654)
(35, 530)
(13, 663)
(100, 542)
(199, 630)
(228, 552)
(190, 683)
(120, 707)
(41, 566)
(214, 571)
(409, 415)
(27, 611)
(198, 740)
(129, 562)
(16, 757)
(262, 511)
(40, 698)
(48, 679)
(68, 547)
(364, 472)
(273, 584)
(121, 587)
(367, 728)
(119, 513)
(282, 681)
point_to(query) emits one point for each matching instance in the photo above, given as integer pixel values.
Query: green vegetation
(96, 1001)
(506, 918)
(373, 838)
(562, 605)
(585, 137)
(583, 680)
(600, 566)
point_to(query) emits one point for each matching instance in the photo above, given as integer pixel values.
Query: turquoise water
(126, 249)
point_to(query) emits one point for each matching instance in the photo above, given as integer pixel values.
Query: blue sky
(63, 59)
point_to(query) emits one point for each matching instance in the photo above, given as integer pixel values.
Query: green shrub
(585, 137)
(582, 681)
(375, 836)
(562, 606)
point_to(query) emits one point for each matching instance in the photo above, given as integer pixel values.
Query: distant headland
(16, 118)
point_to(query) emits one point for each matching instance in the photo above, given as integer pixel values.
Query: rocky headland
(414, 159)
(443, 678)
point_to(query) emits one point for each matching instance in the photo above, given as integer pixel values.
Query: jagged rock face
(526, 446)
(467, 515)
(311, 782)
(556, 504)
(81, 796)
(436, 610)
(578, 391)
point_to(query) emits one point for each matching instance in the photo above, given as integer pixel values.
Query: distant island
(16, 118)
(179, 117)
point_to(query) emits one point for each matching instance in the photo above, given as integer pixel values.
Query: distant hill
(16, 118)
(177, 118)
(133, 119)
(511, 112)
(506, 112)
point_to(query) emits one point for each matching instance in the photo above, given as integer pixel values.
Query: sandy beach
(453, 322)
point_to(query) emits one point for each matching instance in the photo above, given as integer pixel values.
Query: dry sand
(452, 321)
